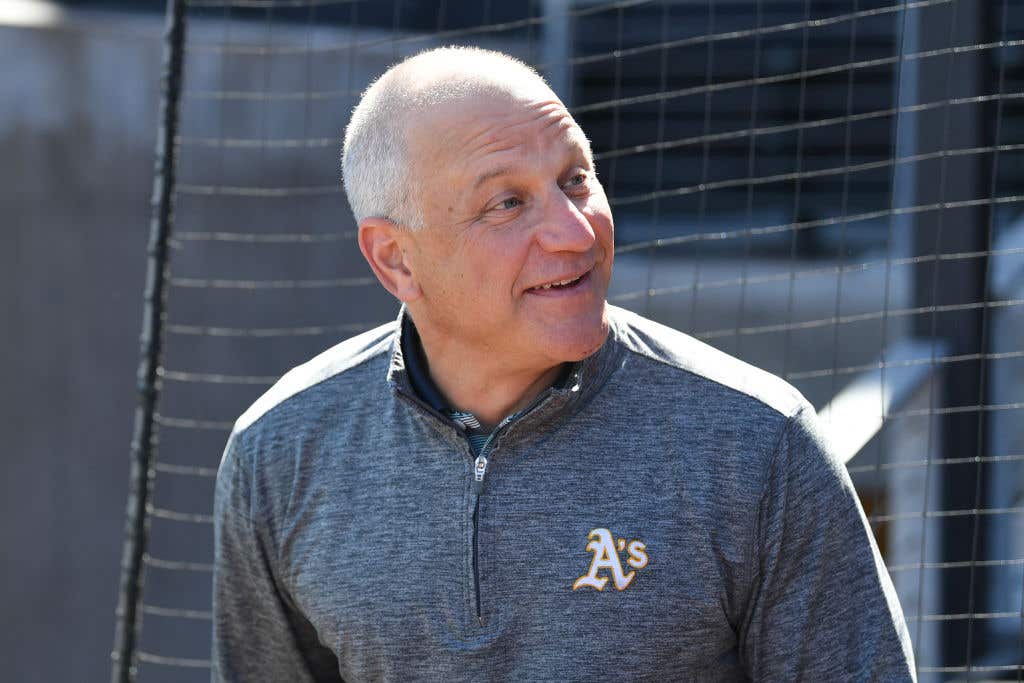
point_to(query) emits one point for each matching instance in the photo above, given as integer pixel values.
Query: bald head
(380, 174)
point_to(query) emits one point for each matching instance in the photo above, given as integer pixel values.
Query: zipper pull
(479, 470)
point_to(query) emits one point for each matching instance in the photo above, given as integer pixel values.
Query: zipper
(479, 471)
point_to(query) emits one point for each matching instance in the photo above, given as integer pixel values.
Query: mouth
(566, 286)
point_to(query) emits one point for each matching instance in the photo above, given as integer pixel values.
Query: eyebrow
(574, 142)
(493, 173)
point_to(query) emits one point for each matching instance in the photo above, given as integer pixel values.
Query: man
(515, 480)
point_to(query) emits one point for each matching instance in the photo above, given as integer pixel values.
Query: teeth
(557, 284)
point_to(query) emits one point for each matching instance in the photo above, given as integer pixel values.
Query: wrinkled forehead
(466, 129)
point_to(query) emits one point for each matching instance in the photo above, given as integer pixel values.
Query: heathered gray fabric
(344, 530)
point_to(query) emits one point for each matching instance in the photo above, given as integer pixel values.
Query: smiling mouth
(561, 285)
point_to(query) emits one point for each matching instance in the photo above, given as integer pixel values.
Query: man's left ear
(381, 243)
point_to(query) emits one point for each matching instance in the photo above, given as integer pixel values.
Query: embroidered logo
(606, 556)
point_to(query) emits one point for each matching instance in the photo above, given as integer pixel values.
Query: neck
(481, 381)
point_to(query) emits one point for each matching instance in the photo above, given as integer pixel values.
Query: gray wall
(77, 125)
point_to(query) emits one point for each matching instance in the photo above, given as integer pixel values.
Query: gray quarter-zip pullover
(668, 513)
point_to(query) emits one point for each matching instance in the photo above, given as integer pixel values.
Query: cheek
(441, 273)
(507, 249)
(599, 215)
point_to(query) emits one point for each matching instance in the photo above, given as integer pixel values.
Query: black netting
(830, 190)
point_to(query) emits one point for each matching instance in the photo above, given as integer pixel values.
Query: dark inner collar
(419, 375)
(416, 366)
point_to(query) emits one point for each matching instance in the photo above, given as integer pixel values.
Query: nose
(564, 227)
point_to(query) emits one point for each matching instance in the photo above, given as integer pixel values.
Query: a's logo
(606, 556)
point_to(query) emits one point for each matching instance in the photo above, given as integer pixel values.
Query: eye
(503, 209)
(577, 183)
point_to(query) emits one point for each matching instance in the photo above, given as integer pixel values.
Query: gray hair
(376, 169)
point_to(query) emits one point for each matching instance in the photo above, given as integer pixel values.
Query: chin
(580, 341)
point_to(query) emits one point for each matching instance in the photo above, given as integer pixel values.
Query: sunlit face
(511, 208)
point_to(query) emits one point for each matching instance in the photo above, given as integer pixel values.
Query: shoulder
(721, 376)
(281, 438)
(299, 383)
(302, 404)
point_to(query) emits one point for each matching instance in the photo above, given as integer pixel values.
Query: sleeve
(821, 603)
(257, 634)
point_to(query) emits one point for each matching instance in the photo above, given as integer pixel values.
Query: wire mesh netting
(829, 190)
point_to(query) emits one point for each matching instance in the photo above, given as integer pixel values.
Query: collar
(419, 373)
(416, 366)
(408, 375)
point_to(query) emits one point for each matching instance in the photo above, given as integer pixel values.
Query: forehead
(482, 131)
